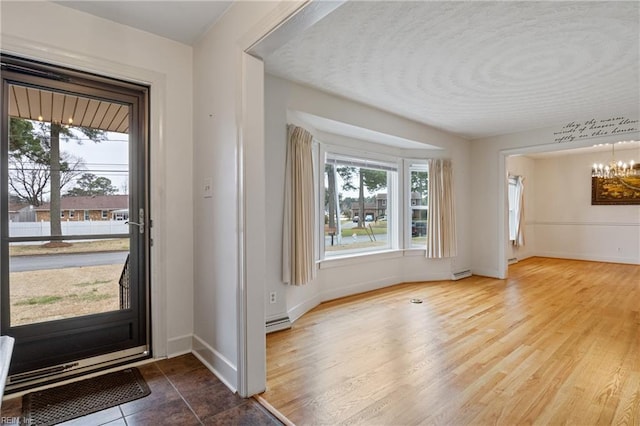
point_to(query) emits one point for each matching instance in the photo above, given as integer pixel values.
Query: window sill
(353, 259)
(415, 252)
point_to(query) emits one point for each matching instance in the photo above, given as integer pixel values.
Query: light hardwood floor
(556, 343)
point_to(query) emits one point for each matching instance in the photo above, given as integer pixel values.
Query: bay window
(370, 203)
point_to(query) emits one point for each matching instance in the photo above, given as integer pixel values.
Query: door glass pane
(68, 175)
(68, 163)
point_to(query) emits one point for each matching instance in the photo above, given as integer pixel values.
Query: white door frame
(274, 30)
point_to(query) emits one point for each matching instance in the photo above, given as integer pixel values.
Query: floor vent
(278, 324)
(461, 274)
(512, 260)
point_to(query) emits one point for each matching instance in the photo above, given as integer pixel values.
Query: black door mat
(62, 403)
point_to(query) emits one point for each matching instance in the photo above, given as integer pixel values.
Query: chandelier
(615, 168)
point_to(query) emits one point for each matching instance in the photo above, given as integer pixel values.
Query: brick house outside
(95, 208)
(379, 208)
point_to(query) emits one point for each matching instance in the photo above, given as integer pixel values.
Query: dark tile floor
(183, 392)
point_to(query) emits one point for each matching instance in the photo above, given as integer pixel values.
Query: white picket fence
(88, 227)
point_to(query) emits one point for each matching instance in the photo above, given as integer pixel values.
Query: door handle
(139, 225)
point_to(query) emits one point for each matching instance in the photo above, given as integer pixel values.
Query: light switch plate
(207, 188)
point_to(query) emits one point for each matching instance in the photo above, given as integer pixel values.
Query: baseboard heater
(512, 260)
(278, 324)
(461, 274)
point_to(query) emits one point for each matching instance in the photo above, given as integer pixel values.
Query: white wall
(223, 283)
(56, 34)
(488, 242)
(276, 96)
(337, 278)
(568, 226)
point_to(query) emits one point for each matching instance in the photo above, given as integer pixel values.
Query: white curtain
(298, 265)
(441, 221)
(518, 212)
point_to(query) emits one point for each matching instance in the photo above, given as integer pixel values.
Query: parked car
(382, 218)
(356, 219)
(368, 218)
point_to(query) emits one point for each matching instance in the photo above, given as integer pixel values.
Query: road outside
(50, 284)
(60, 261)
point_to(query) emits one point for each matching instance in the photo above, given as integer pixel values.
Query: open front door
(74, 221)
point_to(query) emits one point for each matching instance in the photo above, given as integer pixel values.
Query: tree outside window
(38, 168)
(418, 204)
(355, 206)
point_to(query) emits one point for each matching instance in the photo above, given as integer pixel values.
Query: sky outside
(108, 159)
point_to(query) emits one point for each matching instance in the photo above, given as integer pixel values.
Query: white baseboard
(491, 273)
(589, 257)
(217, 363)
(303, 307)
(358, 288)
(179, 345)
(415, 278)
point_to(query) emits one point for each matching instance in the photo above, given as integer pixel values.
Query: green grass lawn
(116, 244)
(376, 228)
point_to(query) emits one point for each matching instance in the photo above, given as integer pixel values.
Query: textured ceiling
(183, 21)
(475, 68)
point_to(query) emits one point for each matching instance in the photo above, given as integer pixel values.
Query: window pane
(419, 187)
(355, 209)
(418, 227)
(419, 205)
